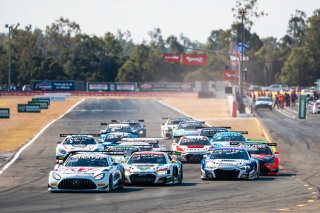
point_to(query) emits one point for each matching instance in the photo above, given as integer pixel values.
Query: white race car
(170, 125)
(74, 142)
(143, 146)
(263, 102)
(86, 171)
(192, 148)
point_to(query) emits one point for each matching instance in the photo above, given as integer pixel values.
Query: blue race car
(114, 132)
(229, 163)
(227, 139)
(188, 128)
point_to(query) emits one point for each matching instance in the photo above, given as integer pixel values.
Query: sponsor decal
(230, 75)
(194, 59)
(29, 108)
(171, 57)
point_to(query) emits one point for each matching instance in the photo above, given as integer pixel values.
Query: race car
(86, 171)
(115, 131)
(188, 128)
(77, 142)
(211, 131)
(120, 154)
(192, 148)
(154, 142)
(135, 125)
(170, 125)
(269, 161)
(229, 163)
(143, 146)
(234, 138)
(263, 102)
(153, 168)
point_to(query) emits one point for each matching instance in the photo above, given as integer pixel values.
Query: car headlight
(99, 176)
(109, 136)
(56, 176)
(62, 151)
(141, 132)
(162, 171)
(245, 168)
(212, 165)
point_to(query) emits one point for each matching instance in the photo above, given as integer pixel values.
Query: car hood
(262, 157)
(145, 167)
(80, 171)
(228, 162)
(80, 147)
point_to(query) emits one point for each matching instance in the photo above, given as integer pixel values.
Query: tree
(297, 27)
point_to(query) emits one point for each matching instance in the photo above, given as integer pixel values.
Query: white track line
(286, 114)
(36, 137)
(181, 112)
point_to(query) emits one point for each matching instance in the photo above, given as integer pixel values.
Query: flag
(242, 46)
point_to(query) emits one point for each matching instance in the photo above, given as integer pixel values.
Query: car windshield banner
(230, 75)
(171, 57)
(194, 59)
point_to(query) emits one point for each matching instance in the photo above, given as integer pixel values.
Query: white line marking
(183, 113)
(286, 114)
(36, 137)
(106, 110)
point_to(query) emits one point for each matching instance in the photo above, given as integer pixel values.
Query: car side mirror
(60, 162)
(248, 139)
(276, 153)
(115, 164)
(59, 142)
(173, 161)
(103, 132)
(204, 157)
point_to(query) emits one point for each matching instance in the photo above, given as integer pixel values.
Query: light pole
(9, 74)
(242, 13)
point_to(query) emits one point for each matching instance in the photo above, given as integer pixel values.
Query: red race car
(268, 157)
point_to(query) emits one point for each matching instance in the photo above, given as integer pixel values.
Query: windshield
(211, 132)
(264, 99)
(194, 141)
(259, 149)
(148, 158)
(190, 125)
(177, 121)
(135, 125)
(228, 137)
(118, 129)
(79, 140)
(229, 154)
(87, 161)
(145, 148)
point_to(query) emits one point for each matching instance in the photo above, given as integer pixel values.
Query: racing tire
(180, 178)
(110, 183)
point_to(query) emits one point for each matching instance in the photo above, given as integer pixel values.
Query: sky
(192, 18)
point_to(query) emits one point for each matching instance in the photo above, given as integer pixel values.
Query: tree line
(63, 52)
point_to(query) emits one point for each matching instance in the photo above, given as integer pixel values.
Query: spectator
(294, 98)
(281, 101)
(276, 101)
(254, 98)
(270, 96)
(287, 99)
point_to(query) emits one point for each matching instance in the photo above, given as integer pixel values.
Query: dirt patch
(21, 127)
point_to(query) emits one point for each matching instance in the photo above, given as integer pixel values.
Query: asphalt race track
(23, 186)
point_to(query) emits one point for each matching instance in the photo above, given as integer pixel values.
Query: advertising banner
(29, 108)
(230, 75)
(52, 85)
(194, 59)
(165, 87)
(302, 107)
(93, 86)
(43, 105)
(4, 112)
(171, 57)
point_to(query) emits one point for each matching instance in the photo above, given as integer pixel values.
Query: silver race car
(170, 125)
(77, 142)
(229, 163)
(86, 171)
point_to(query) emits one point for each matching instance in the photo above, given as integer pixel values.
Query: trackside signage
(171, 57)
(41, 100)
(4, 112)
(194, 59)
(302, 107)
(43, 105)
(29, 108)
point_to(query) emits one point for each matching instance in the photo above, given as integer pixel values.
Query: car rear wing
(172, 152)
(242, 132)
(147, 140)
(132, 121)
(75, 135)
(236, 143)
